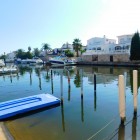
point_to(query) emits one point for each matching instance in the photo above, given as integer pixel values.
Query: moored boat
(2, 63)
(60, 60)
(6, 69)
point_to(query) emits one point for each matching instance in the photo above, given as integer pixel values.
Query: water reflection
(11, 78)
(95, 98)
(77, 79)
(61, 84)
(63, 117)
(52, 81)
(31, 76)
(121, 133)
(134, 127)
(82, 102)
(69, 86)
(37, 71)
(77, 88)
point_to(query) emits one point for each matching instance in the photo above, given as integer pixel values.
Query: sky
(25, 23)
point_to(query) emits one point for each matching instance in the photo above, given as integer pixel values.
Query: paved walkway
(2, 135)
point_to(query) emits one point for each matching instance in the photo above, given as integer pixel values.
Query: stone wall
(105, 58)
(89, 58)
(120, 58)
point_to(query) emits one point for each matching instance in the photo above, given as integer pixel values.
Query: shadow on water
(22, 115)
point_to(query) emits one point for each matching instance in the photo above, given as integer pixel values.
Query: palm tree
(29, 48)
(77, 45)
(36, 52)
(46, 47)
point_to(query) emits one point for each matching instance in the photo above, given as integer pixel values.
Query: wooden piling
(94, 82)
(61, 79)
(122, 98)
(135, 90)
(81, 83)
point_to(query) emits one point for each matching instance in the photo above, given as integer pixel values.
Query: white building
(67, 46)
(103, 45)
(124, 43)
(10, 57)
(100, 44)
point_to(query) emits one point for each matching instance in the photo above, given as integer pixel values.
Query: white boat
(33, 61)
(6, 69)
(2, 63)
(60, 60)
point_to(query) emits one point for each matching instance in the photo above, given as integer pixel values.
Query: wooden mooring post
(122, 98)
(94, 82)
(61, 83)
(81, 83)
(135, 90)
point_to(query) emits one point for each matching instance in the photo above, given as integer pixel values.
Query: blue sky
(26, 23)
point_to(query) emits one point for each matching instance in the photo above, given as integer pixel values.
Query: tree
(68, 53)
(28, 55)
(3, 57)
(36, 52)
(46, 47)
(29, 48)
(77, 45)
(20, 53)
(135, 47)
(23, 55)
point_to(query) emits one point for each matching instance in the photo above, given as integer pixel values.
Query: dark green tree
(29, 49)
(36, 52)
(135, 47)
(46, 47)
(20, 53)
(68, 53)
(28, 55)
(23, 55)
(77, 45)
(3, 57)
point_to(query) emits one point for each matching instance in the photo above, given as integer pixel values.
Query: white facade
(10, 57)
(125, 39)
(124, 42)
(67, 46)
(100, 44)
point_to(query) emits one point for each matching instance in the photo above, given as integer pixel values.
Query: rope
(93, 136)
(100, 130)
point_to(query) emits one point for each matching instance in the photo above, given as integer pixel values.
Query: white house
(67, 46)
(124, 43)
(100, 44)
(10, 57)
(103, 45)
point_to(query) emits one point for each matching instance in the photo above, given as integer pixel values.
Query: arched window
(118, 48)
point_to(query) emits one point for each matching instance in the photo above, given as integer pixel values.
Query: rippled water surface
(84, 115)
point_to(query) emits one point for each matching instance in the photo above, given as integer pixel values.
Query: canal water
(85, 114)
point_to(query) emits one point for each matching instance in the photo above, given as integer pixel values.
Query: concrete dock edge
(4, 133)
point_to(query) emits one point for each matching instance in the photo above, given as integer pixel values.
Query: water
(84, 114)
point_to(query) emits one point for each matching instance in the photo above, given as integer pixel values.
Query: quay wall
(106, 58)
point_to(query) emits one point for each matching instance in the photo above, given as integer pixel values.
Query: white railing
(93, 52)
